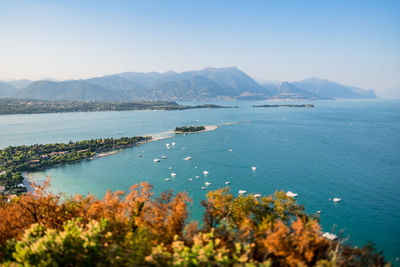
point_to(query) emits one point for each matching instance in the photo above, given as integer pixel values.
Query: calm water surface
(345, 149)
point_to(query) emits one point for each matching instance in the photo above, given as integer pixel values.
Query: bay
(348, 149)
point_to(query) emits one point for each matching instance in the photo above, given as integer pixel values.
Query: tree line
(17, 159)
(189, 129)
(26, 106)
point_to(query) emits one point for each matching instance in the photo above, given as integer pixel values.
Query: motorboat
(291, 194)
(329, 236)
(205, 173)
(156, 160)
(188, 158)
(242, 192)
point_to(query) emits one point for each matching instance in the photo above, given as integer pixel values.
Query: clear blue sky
(351, 42)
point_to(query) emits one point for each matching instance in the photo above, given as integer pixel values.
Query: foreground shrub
(136, 229)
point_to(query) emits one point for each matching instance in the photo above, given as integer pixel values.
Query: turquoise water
(345, 149)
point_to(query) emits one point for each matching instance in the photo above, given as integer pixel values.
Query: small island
(30, 106)
(17, 159)
(285, 106)
(189, 129)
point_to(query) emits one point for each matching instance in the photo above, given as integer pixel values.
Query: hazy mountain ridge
(68, 90)
(327, 88)
(199, 85)
(19, 83)
(6, 89)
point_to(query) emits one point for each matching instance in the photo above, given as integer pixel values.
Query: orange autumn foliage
(140, 229)
(165, 215)
(299, 244)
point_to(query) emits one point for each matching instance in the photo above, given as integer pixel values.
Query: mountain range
(200, 85)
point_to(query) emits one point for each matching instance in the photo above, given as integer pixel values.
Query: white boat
(195, 167)
(336, 199)
(170, 168)
(253, 168)
(257, 195)
(203, 188)
(242, 192)
(207, 183)
(188, 158)
(227, 182)
(318, 212)
(230, 150)
(190, 179)
(156, 160)
(167, 179)
(291, 194)
(173, 143)
(197, 177)
(164, 157)
(173, 174)
(329, 236)
(205, 173)
(167, 145)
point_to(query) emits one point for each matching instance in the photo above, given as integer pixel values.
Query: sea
(349, 149)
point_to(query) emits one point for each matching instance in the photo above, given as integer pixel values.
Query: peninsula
(285, 106)
(29, 106)
(17, 159)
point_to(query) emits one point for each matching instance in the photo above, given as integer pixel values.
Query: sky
(350, 42)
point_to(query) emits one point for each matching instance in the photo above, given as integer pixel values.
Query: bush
(136, 229)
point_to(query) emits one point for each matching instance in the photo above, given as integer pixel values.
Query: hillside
(6, 89)
(324, 88)
(199, 85)
(68, 90)
(19, 84)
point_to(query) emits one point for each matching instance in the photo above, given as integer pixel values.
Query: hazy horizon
(353, 43)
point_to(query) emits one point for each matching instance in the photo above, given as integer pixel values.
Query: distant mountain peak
(234, 68)
(227, 83)
(315, 80)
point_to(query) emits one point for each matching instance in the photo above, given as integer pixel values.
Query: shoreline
(154, 137)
